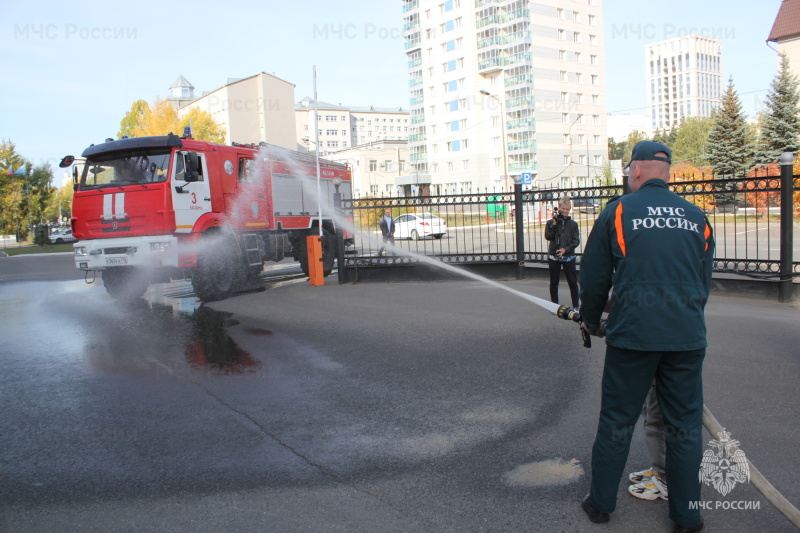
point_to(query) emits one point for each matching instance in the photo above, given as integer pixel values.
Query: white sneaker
(652, 489)
(642, 475)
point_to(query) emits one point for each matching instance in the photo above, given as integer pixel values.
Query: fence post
(787, 247)
(337, 207)
(520, 229)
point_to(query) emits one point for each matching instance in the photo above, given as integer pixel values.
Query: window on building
(563, 75)
(388, 165)
(593, 40)
(562, 55)
(564, 98)
(592, 20)
(465, 164)
(596, 140)
(566, 160)
(498, 162)
(562, 35)
(580, 98)
(595, 120)
(565, 118)
(373, 165)
(565, 138)
(593, 59)
(449, 166)
(595, 79)
(576, 37)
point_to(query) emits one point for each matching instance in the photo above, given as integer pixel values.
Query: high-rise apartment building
(684, 79)
(499, 88)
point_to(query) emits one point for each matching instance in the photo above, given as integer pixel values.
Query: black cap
(647, 150)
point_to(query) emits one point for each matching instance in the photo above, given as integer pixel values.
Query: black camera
(557, 213)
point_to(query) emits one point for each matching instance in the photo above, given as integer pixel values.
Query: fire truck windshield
(126, 168)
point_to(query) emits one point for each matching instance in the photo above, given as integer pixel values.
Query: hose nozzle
(570, 313)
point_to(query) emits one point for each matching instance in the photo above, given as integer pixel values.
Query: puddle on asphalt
(545, 473)
(167, 332)
(212, 347)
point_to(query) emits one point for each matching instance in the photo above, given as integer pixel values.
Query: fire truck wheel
(124, 284)
(216, 272)
(328, 253)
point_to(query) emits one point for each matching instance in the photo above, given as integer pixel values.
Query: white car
(416, 226)
(59, 237)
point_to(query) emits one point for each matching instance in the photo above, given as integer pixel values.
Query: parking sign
(526, 178)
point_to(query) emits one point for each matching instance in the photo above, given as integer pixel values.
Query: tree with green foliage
(60, 204)
(690, 140)
(24, 191)
(730, 149)
(132, 119)
(781, 122)
(666, 137)
(622, 149)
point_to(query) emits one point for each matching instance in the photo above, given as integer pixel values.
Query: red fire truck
(152, 209)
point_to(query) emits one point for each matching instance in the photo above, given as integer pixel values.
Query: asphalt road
(378, 407)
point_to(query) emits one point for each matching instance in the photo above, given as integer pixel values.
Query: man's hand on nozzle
(591, 332)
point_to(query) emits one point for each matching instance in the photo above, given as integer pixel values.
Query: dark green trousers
(627, 376)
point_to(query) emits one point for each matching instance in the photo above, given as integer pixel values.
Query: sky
(71, 70)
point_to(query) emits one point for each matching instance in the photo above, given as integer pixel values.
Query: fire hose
(712, 426)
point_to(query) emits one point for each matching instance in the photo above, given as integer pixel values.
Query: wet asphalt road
(374, 407)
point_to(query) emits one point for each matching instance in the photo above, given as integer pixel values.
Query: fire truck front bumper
(145, 252)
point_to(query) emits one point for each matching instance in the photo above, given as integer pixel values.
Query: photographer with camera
(564, 236)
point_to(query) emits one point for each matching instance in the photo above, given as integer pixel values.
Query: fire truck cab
(152, 209)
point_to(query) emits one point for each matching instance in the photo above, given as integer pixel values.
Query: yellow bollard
(315, 270)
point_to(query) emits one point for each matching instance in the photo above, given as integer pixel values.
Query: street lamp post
(504, 140)
(569, 136)
(506, 177)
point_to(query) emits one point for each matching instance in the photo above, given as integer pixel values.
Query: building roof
(181, 82)
(787, 23)
(307, 103)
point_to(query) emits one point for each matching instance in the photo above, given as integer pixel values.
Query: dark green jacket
(656, 250)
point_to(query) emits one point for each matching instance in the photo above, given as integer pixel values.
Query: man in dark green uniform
(656, 250)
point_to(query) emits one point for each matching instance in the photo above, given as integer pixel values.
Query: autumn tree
(133, 119)
(204, 128)
(781, 122)
(161, 118)
(686, 177)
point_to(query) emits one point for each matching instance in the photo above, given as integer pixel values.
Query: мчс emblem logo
(727, 466)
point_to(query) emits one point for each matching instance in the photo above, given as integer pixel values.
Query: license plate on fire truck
(116, 260)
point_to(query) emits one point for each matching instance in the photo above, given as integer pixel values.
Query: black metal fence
(485, 227)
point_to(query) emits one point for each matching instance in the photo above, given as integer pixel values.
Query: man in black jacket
(564, 236)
